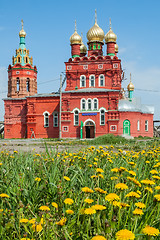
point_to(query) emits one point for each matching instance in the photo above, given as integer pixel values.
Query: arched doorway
(126, 127)
(89, 129)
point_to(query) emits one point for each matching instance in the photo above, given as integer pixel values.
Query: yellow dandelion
(111, 197)
(94, 176)
(150, 231)
(100, 190)
(157, 197)
(54, 204)
(149, 189)
(69, 211)
(157, 187)
(121, 186)
(23, 220)
(1, 163)
(156, 177)
(32, 221)
(132, 173)
(116, 204)
(125, 234)
(37, 179)
(68, 201)
(62, 222)
(98, 237)
(140, 205)
(148, 182)
(4, 195)
(66, 178)
(88, 200)
(114, 178)
(87, 190)
(99, 170)
(154, 171)
(133, 194)
(101, 176)
(44, 208)
(115, 170)
(138, 211)
(37, 228)
(89, 211)
(98, 207)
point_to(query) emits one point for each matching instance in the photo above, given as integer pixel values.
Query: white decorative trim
(100, 80)
(69, 67)
(63, 129)
(85, 66)
(89, 120)
(115, 65)
(91, 104)
(146, 125)
(85, 104)
(46, 112)
(100, 117)
(114, 129)
(100, 66)
(90, 80)
(81, 81)
(75, 110)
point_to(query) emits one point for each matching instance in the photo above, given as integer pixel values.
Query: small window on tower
(26, 60)
(19, 59)
(94, 46)
(18, 84)
(28, 84)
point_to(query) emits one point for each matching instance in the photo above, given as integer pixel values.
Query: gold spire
(75, 38)
(95, 34)
(130, 86)
(110, 36)
(22, 33)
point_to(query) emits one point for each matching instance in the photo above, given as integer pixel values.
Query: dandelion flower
(154, 171)
(54, 204)
(32, 221)
(37, 228)
(125, 234)
(138, 211)
(37, 179)
(133, 194)
(140, 205)
(66, 178)
(44, 208)
(114, 178)
(157, 197)
(157, 188)
(150, 231)
(111, 197)
(132, 173)
(99, 170)
(4, 195)
(149, 189)
(98, 207)
(148, 182)
(88, 200)
(23, 220)
(62, 222)
(68, 201)
(87, 190)
(69, 211)
(98, 237)
(89, 211)
(121, 186)
(100, 190)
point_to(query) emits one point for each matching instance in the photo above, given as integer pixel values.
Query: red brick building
(93, 102)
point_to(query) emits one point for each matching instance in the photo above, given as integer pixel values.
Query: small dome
(110, 36)
(130, 86)
(116, 48)
(83, 48)
(95, 34)
(75, 38)
(22, 33)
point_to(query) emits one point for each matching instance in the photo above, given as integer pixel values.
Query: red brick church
(92, 104)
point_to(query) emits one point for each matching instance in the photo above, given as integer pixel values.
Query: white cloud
(3, 90)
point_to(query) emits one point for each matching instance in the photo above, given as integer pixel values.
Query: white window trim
(90, 80)
(81, 81)
(57, 118)
(113, 126)
(85, 104)
(93, 103)
(146, 125)
(138, 125)
(44, 118)
(104, 116)
(74, 117)
(100, 80)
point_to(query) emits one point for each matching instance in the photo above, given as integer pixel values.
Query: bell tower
(22, 75)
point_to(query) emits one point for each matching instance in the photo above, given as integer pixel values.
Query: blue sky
(49, 25)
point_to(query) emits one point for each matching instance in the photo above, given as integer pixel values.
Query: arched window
(91, 80)
(76, 118)
(82, 81)
(46, 119)
(138, 125)
(95, 104)
(18, 84)
(19, 59)
(89, 104)
(83, 104)
(28, 84)
(101, 80)
(55, 119)
(102, 117)
(146, 125)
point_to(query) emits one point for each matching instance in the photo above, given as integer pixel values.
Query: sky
(49, 25)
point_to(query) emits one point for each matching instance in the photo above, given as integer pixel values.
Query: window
(89, 104)
(101, 80)
(76, 118)
(138, 125)
(146, 125)
(28, 84)
(19, 59)
(55, 119)
(83, 104)
(92, 81)
(65, 129)
(46, 119)
(95, 104)
(26, 60)
(102, 117)
(94, 46)
(82, 81)
(18, 84)
(113, 128)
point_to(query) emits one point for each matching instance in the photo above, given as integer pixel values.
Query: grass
(35, 182)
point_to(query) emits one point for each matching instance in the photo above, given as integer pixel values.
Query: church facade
(93, 103)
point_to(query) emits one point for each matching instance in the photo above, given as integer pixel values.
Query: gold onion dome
(95, 34)
(83, 48)
(116, 48)
(130, 86)
(110, 36)
(22, 33)
(75, 38)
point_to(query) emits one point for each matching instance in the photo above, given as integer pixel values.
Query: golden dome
(95, 34)
(130, 86)
(22, 33)
(83, 48)
(110, 36)
(116, 48)
(75, 38)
